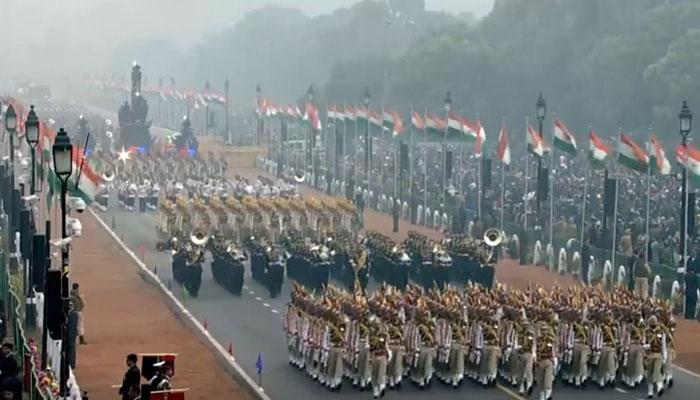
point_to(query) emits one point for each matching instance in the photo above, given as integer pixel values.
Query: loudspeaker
(39, 261)
(486, 173)
(404, 157)
(448, 165)
(609, 197)
(52, 304)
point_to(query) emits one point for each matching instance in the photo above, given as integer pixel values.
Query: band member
(656, 356)
(582, 351)
(633, 360)
(607, 362)
(334, 367)
(395, 369)
(491, 353)
(546, 360)
(525, 344)
(380, 354)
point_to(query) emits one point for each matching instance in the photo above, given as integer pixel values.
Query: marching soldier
(656, 356)
(395, 367)
(582, 351)
(492, 352)
(378, 343)
(525, 345)
(546, 360)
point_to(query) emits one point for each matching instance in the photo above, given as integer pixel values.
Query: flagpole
(345, 167)
(526, 200)
(614, 232)
(503, 183)
(330, 166)
(479, 183)
(410, 166)
(551, 188)
(646, 244)
(425, 164)
(357, 160)
(381, 154)
(584, 202)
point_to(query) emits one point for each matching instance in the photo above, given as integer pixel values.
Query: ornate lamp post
(63, 167)
(311, 159)
(686, 118)
(11, 127)
(32, 135)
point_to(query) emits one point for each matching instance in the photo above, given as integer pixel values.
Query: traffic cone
(206, 326)
(155, 270)
(230, 349)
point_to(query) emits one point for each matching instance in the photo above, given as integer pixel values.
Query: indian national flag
(330, 114)
(454, 128)
(361, 115)
(658, 161)
(435, 126)
(397, 125)
(375, 119)
(535, 144)
(503, 146)
(350, 113)
(388, 119)
(470, 129)
(339, 114)
(88, 181)
(631, 155)
(597, 149)
(564, 139)
(312, 115)
(691, 160)
(417, 121)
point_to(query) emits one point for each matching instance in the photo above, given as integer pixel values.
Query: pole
(684, 232)
(614, 232)
(479, 184)
(503, 195)
(425, 165)
(394, 207)
(584, 204)
(409, 188)
(355, 157)
(368, 151)
(65, 299)
(539, 169)
(44, 325)
(526, 199)
(33, 150)
(552, 181)
(646, 230)
(228, 131)
(345, 151)
(444, 161)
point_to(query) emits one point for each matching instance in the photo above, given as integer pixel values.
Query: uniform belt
(379, 353)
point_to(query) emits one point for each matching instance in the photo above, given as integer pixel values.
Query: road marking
(251, 292)
(689, 372)
(510, 392)
(258, 298)
(245, 287)
(621, 390)
(274, 311)
(266, 305)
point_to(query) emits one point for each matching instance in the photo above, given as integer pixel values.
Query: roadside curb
(229, 363)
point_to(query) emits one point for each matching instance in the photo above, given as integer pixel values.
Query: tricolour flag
(397, 125)
(658, 161)
(330, 113)
(312, 115)
(598, 151)
(361, 115)
(375, 119)
(564, 139)
(339, 114)
(691, 160)
(470, 130)
(88, 181)
(535, 144)
(455, 133)
(388, 119)
(503, 146)
(350, 113)
(417, 121)
(631, 155)
(435, 127)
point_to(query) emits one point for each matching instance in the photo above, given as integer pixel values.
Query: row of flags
(193, 97)
(458, 129)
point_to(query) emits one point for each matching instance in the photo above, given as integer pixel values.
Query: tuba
(199, 238)
(492, 238)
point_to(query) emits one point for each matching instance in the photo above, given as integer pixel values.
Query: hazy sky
(57, 35)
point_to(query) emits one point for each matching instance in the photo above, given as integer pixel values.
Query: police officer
(656, 355)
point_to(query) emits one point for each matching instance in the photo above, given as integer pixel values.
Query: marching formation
(527, 338)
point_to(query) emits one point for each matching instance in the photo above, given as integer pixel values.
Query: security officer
(546, 360)
(656, 355)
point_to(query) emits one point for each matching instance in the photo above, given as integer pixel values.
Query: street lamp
(685, 118)
(258, 94)
(448, 102)
(541, 112)
(63, 167)
(366, 100)
(32, 135)
(11, 127)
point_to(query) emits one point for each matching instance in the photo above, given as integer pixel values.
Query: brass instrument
(492, 238)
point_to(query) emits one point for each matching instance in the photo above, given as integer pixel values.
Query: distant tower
(134, 127)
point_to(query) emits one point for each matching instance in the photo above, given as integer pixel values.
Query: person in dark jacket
(8, 362)
(132, 379)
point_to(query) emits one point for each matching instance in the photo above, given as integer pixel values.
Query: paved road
(252, 324)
